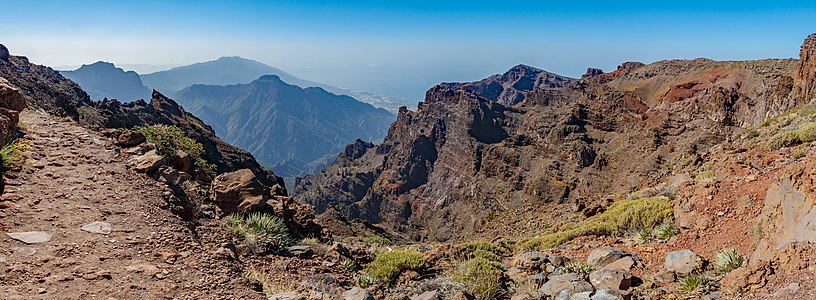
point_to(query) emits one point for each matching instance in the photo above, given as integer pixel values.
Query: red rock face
(805, 73)
(470, 163)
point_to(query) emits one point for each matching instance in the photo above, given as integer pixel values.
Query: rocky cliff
(11, 104)
(41, 86)
(805, 75)
(468, 163)
(163, 110)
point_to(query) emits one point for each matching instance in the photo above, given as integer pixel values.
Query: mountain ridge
(229, 70)
(293, 130)
(104, 80)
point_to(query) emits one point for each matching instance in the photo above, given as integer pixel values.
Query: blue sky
(401, 48)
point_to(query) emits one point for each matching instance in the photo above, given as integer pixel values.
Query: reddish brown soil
(76, 177)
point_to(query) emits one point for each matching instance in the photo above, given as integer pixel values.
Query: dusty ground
(77, 177)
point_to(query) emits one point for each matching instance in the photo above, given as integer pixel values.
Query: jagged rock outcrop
(4, 53)
(511, 87)
(163, 110)
(42, 87)
(805, 75)
(11, 104)
(465, 164)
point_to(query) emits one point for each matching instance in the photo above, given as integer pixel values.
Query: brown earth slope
(77, 177)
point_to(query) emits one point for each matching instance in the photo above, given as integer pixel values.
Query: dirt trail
(77, 177)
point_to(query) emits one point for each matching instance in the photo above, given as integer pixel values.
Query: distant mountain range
(292, 130)
(238, 70)
(104, 80)
(291, 125)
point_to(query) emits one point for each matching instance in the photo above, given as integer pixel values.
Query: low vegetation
(349, 264)
(581, 268)
(478, 267)
(260, 232)
(377, 240)
(727, 260)
(706, 177)
(664, 231)
(268, 287)
(622, 217)
(693, 283)
(170, 139)
(805, 134)
(483, 277)
(13, 155)
(387, 266)
(320, 249)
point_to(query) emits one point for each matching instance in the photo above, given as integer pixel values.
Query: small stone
(429, 295)
(287, 296)
(358, 293)
(41, 291)
(300, 251)
(97, 227)
(30, 237)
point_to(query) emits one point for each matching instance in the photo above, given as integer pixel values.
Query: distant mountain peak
(269, 78)
(105, 80)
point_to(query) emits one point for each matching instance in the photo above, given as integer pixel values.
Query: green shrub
(727, 260)
(644, 235)
(807, 133)
(387, 266)
(169, 139)
(799, 154)
(621, 217)
(751, 133)
(261, 232)
(579, 267)
(13, 155)
(349, 264)
(783, 139)
(707, 176)
(377, 240)
(664, 231)
(483, 277)
(693, 283)
(364, 280)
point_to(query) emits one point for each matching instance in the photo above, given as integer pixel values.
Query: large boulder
(238, 191)
(129, 138)
(11, 103)
(149, 162)
(570, 282)
(357, 293)
(683, 262)
(609, 278)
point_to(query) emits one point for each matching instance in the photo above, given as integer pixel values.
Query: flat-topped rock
(30, 237)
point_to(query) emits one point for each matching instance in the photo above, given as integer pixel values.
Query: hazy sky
(401, 48)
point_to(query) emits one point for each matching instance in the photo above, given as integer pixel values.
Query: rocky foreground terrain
(672, 180)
